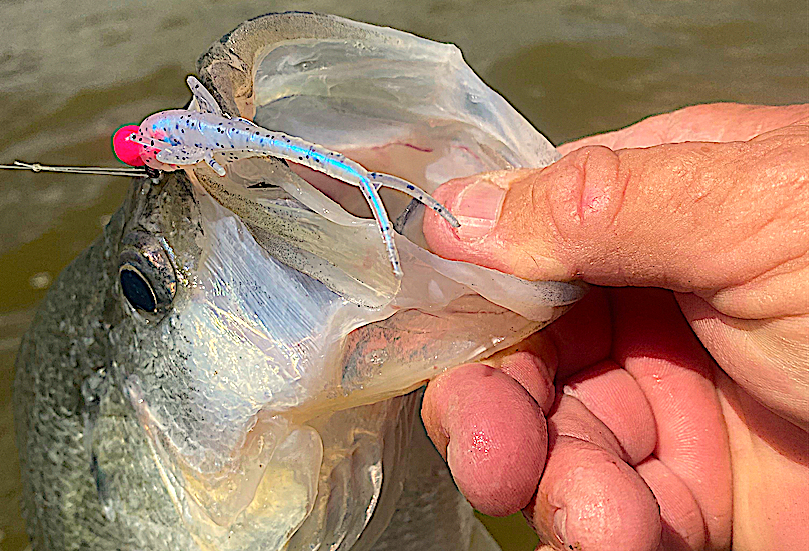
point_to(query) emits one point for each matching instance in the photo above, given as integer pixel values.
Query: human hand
(651, 442)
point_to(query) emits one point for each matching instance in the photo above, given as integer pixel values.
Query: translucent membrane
(282, 420)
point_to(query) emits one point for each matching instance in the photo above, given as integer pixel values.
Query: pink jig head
(131, 152)
(127, 151)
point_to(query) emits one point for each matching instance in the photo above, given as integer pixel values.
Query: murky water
(72, 72)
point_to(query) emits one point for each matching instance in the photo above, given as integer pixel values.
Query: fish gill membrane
(241, 375)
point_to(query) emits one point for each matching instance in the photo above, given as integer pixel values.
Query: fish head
(260, 356)
(227, 365)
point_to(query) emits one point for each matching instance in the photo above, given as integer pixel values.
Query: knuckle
(585, 191)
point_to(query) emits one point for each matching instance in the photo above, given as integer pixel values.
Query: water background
(72, 72)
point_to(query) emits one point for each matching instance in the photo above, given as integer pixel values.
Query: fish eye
(145, 273)
(137, 289)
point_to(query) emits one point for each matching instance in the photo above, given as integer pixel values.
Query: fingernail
(477, 208)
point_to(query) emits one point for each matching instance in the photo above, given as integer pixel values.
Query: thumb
(688, 217)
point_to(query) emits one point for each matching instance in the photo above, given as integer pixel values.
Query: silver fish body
(232, 364)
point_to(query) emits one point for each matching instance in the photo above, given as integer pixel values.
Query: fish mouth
(297, 444)
(393, 102)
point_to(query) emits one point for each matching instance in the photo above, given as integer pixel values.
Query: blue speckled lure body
(180, 137)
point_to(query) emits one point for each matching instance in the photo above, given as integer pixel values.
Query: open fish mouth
(296, 343)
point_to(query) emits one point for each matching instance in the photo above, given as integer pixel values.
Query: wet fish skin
(89, 476)
(62, 386)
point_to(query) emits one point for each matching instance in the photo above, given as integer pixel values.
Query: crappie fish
(233, 364)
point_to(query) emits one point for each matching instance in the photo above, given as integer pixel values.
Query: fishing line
(131, 172)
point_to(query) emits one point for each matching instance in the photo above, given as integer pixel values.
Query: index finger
(691, 217)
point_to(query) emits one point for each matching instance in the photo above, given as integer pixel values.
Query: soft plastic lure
(171, 140)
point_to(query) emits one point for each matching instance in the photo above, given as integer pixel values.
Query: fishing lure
(171, 140)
